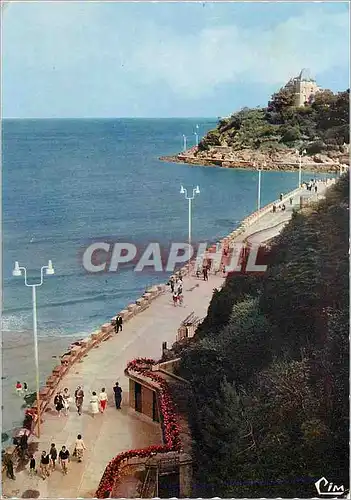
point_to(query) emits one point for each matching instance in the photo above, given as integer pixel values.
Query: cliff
(269, 137)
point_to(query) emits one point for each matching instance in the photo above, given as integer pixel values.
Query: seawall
(76, 352)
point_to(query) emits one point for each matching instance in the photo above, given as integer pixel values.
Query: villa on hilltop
(304, 87)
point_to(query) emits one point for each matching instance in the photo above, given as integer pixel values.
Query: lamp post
(197, 135)
(259, 186)
(184, 143)
(300, 155)
(190, 199)
(17, 271)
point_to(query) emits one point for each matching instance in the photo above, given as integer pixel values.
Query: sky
(171, 59)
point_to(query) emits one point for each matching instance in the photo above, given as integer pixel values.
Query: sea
(68, 183)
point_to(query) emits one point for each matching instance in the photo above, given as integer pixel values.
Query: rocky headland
(278, 136)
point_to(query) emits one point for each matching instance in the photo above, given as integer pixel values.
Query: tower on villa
(304, 87)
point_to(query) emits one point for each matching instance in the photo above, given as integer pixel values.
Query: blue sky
(95, 59)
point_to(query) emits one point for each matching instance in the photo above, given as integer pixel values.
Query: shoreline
(315, 167)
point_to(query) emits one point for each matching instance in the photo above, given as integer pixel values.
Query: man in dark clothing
(205, 273)
(7, 461)
(23, 445)
(119, 323)
(118, 395)
(79, 395)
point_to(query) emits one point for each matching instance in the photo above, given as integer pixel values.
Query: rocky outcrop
(224, 156)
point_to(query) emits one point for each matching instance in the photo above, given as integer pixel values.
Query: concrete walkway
(117, 430)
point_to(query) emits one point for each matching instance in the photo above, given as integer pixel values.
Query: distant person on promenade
(64, 459)
(44, 465)
(171, 282)
(58, 402)
(7, 462)
(315, 188)
(205, 273)
(79, 395)
(118, 395)
(290, 200)
(283, 207)
(32, 465)
(53, 456)
(119, 323)
(103, 400)
(79, 447)
(94, 404)
(19, 388)
(175, 297)
(25, 387)
(274, 208)
(180, 297)
(281, 197)
(67, 400)
(23, 444)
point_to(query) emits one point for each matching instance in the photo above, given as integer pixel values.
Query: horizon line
(113, 118)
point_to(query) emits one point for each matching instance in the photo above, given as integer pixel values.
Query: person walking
(205, 273)
(79, 395)
(32, 465)
(44, 465)
(290, 200)
(66, 400)
(118, 395)
(7, 461)
(103, 400)
(79, 447)
(58, 402)
(19, 388)
(64, 459)
(171, 282)
(94, 404)
(53, 456)
(175, 297)
(119, 324)
(281, 197)
(23, 444)
(25, 387)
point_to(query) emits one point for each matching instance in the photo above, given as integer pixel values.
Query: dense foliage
(270, 366)
(320, 125)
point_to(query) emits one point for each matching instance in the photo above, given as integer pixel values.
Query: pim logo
(325, 488)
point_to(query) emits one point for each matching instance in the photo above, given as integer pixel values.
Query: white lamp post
(184, 143)
(49, 270)
(190, 199)
(300, 155)
(259, 186)
(197, 135)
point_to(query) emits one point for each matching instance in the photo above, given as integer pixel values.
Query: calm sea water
(67, 183)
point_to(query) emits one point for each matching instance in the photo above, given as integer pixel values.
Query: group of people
(311, 185)
(21, 388)
(98, 403)
(48, 460)
(118, 324)
(176, 284)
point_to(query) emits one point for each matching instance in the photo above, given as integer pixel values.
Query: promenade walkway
(118, 430)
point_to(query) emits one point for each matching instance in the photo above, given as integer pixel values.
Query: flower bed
(171, 430)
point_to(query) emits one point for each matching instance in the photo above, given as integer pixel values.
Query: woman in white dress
(94, 403)
(66, 400)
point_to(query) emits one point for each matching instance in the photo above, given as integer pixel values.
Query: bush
(315, 147)
(290, 134)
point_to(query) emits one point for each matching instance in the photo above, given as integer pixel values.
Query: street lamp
(259, 186)
(184, 143)
(300, 155)
(197, 135)
(49, 270)
(190, 199)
